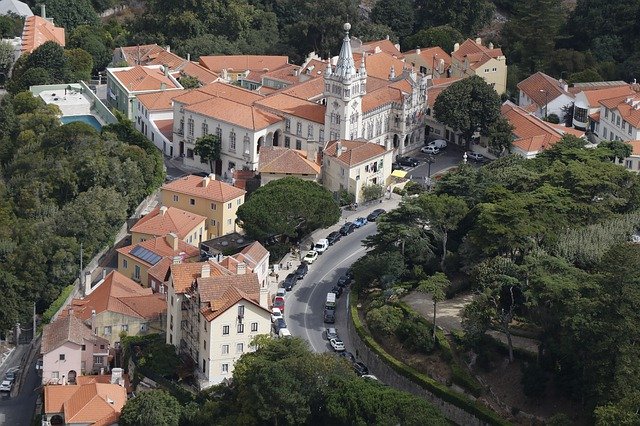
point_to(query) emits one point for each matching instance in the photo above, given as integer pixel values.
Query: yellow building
(148, 262)
(472, 58)
(189, 227)
(208, 197)
(351, 165)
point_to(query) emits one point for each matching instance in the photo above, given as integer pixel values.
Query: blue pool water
(89, 119)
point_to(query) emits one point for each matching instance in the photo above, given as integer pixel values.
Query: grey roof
(345, 67)
(16, 7)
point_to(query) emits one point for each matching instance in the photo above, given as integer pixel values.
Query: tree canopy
(290, 206)
(155, 407)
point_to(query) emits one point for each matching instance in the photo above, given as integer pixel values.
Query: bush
(57, 304)
(345, 198)
(534, 380)
(415, 333)
(399, 191)
(385, 319)
(461, 377)
(413, 188)
(372, 192)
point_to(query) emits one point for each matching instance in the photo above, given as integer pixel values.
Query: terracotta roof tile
(595, 96)
(163, 220)
(281, 102)
(542, 88)
(183, 275)
(159, 101)
(37, 31)
(477, 54)
(162, 57)
(254, 253)
(314, 68)
(439, 85)
(429, 56)
(195, 70)
(139, 78)
(308, 90)
(222, 292)
(232, 112)
(161, 247)
(112, 296)
(384, 45)
(285, 161)
(635, 147)
(206, 188)
(91, 403)
(160, 270)
(140, 55)
(355, 152)
(67, 328)
(379, 64)
(380, 97)
(627, 106)
(243, 62)
(288, 74)
(165, 127)
(103, 378)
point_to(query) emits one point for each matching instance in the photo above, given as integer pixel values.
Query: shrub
(413, 188)
(385, 319)
(461, 377)
(415, 333)
(534, 380)
(399, 191)
(57, 304)
(372, 192)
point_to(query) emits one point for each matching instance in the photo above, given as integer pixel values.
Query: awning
(399, 173)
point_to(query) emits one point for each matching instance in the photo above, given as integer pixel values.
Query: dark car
(343, 281)
(349, 273)
(408, 161)
(329, 316)
(347, 228)
(302, 270)
(360, 368)
(396, 166)
(375, 214)
(334, 237)
(337, 290)
(280, 323)
(290, 281)
(348, 356)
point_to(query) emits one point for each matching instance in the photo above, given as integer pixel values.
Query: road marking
(306, 309)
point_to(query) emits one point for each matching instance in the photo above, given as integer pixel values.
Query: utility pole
(80, 273)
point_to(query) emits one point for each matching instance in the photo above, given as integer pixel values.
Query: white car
(276, 314)
(475, 156)
(370, 377)
(438, 143)
(337, 345)
(429, 149)
(310, 257)
(332, 333)
(281, 292)
(321, 246)
(5, 386)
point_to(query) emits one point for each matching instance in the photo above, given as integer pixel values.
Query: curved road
(304, 305)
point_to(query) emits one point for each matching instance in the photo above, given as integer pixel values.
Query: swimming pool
(89, 119)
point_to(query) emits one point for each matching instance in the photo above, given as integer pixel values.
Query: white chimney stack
(173, 240)
(87, 283)
(205, 181)
(206, 270)
(43, 11)
(163, 210)
(177, 260)
(189, 57)
(116, 377)
(456, 47)
(338, 149)
(490, 45)
(241, 269)
(93, 322)
(478, 41)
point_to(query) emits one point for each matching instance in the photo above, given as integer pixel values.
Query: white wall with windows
(613, 126)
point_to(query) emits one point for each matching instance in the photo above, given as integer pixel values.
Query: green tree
(372, 192)
(6, 59)
(375, 270)
(209, 149)
(79, 63)
(468, 106)
(585, 76)
(155, 407)
(436, 285)
(444, 36)
(396, 14)
(189, 82)
(94, 40)
(501, 136)
(11, 26)
(466, 16)
(288, 206)
(385, 319)
(71, 13)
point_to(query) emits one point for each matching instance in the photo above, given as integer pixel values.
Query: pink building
(70, 349)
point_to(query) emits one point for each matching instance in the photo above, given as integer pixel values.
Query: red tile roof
(121, 295)
(288, 74)
(379, 64)
(627, 106)
(285, 161)
(139, 78)
(161, 247)
(220, 293)
(384, 45)
(163, 220)
(243, 62)
(429, 56)
(284, 103)
(165, 58)
(183, 275)
(206, 188)
(542, 88)
(355, 152)
(159, 101)
(97, 404)
(596, 95)
(165, 127)
(635, 147)
(37, 31)
(67, 328)
(140, 55)
(475, 53)
(308, 90)
(380, 97)
(314, 68)
(195, 70)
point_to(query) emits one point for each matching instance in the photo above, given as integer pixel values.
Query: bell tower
(344, 88)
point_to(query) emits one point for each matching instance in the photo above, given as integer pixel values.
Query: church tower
(344, 88)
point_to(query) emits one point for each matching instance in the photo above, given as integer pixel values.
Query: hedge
(461, 377)
(439, 390)
(57, 304)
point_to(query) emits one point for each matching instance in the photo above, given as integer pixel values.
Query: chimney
(418, 51)
(295, 72)
(212, 176)
(64, 380)
(241, 269)
(189, 57)
(490, 45)
(392, 73)
(166, 70)
(163, 210)
(104, 273)
(43, 11)
(163, 86)
(87, 283)
(116, 376)
(205, 181)
(264, 297)
(456, 47)
(206, 270)
(338, 149)
(168, 48)
(93, 322)
(177, 260)
(172, 239)
(478, 41)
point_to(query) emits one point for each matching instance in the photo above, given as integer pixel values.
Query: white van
(438, 143)
(321, 246)
(331, 301)
(283, 333)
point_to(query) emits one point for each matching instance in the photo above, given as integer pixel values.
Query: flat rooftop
(70, 102)
(227, 244)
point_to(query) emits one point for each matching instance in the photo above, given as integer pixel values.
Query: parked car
(329, 316)
(302, 270)
(321, 246)
(290, 281)
(347, 228)
(334, 237)
(370, 377)
(343, 281)
(349, 274)
(430, 150)
(310, 257)
(438, 143)
(281, 291)
(39, 364)
(278, 302)
(337, 345)
(337, 290)
(348, 356)
(284, 333)
(360, 368)
(279, 324)
(359, 222)
(6, 385)
(396, 166)
(11, 375)
(474, 156)
(408, 161)
(276, 314)
(373, 216)
(332, 333)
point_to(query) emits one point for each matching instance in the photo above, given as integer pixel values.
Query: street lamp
(546, 102)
